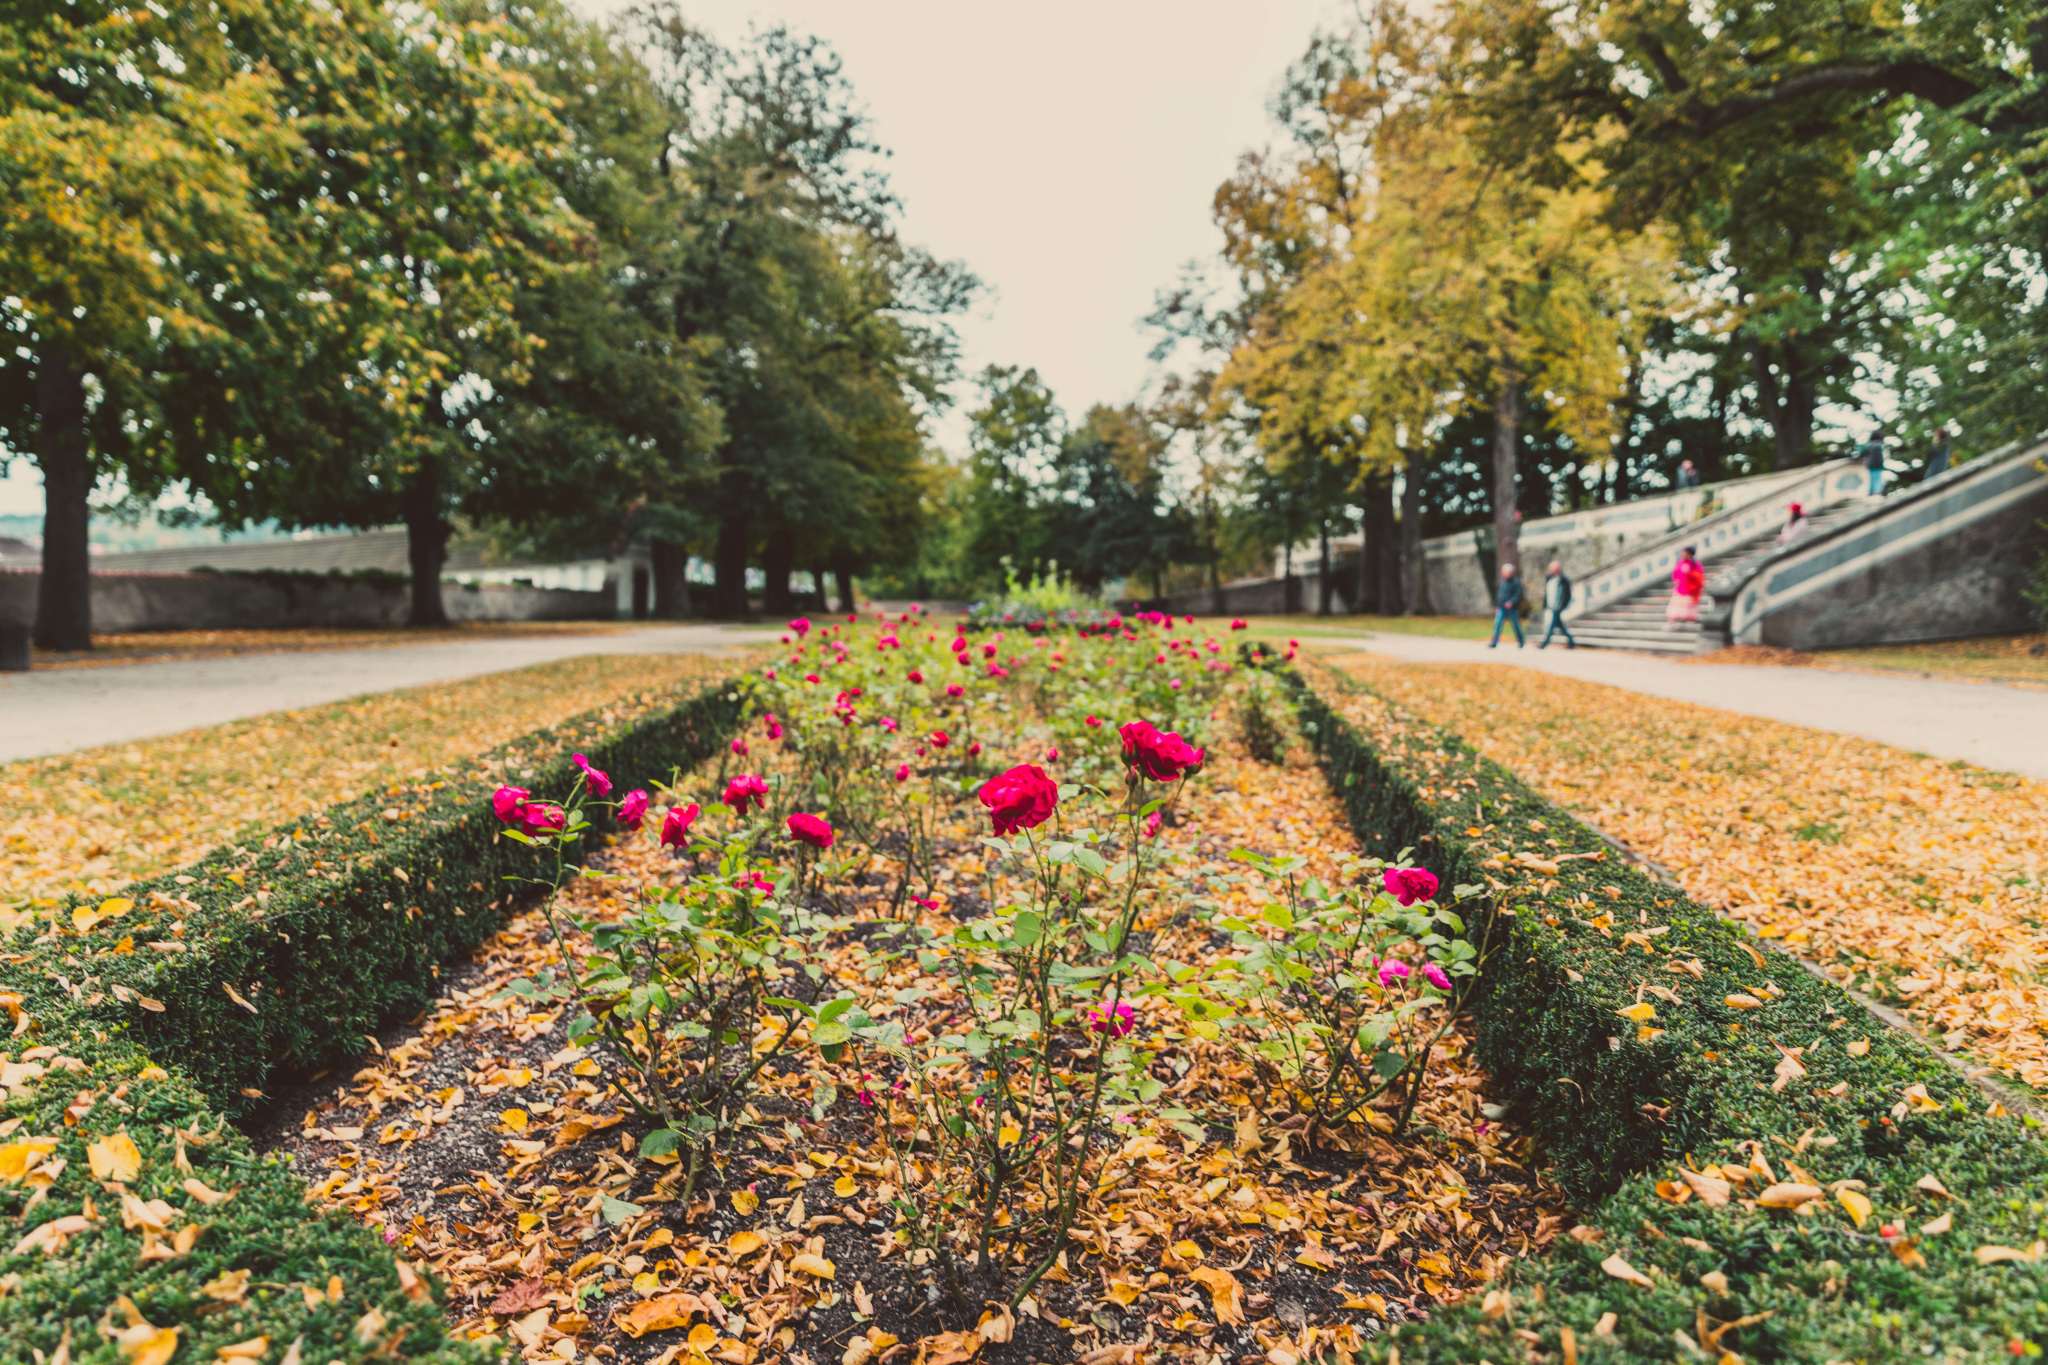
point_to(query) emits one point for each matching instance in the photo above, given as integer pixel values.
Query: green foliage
(263, 1231)
(338, 922)
(1624, 1102)
(678, 987)
(2035, 592)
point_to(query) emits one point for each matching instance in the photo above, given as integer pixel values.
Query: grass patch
(1922, 878)
(1771, 1174)
(92, 821)
(1306, 626)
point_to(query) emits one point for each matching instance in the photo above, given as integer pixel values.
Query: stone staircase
(1636, 622)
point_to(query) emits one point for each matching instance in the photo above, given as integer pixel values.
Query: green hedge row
(1750, 1066)
(169, 1017)
(281, 957)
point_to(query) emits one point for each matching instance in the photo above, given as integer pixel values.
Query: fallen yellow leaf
(808, 1264)
(1225, 1294)
(745, 1201)
(845, 1187)
(513, 1120)
(741, 1243)
(115, 1157)
(1622, 1270)
(1856, 1204)
(1187, 1251)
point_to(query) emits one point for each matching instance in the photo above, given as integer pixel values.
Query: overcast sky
(1064, 151)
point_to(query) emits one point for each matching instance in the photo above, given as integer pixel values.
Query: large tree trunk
(1287, 579)
(1323, 583)
(426, 544)
(1386, 546)
(64, 595)
(844, 577)
(778, 561)
(1507, 444)
(671, 563)
(1414, 571)
(1787, 398)
(729, 563)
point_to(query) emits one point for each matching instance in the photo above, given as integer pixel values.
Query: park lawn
(94, 820)
(1307, 625)
(1992, 658)
(161, 646)
(1921, 882)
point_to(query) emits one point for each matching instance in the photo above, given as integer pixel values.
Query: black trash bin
(13, 648)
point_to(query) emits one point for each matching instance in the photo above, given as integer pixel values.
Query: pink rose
(916, 676)
(1022, 798)
(1391, 971)
(632, 810)
(1410, 884)
(800, 626)
(1160, 757)
(744, 791)
(1152, 825)
(739, 746)
(675, 829)
(974, 748)
(1237, 625)
(955, 690)
(810, 829)
(1435, 976)
(903, 772)
(510, 804)
(600, 785)
(1116, 1022)
(541, 818)
(1093, 722)
(940, 739)
(811, 678)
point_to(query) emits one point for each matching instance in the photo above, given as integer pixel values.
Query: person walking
(1938, 458)
(1507, 607)
(1688, 477)
(1688, 581)
(1795, 524)
(1557, 595)
(1871, 452)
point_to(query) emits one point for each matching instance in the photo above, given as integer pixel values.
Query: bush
(158, 1014)
(1692, 1090)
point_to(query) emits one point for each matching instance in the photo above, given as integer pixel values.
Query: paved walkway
(1991, 725)
(57, 712)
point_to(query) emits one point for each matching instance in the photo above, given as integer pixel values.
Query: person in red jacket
(1688, 581)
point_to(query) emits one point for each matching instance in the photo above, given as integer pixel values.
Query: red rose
(746, 790)
(1022, 798)
(1410, 884)
(632, 810)
(675, 828)
(1159, 757)
(810, 829)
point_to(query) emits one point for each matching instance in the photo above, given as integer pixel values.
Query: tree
(132, 237)
(1755, 115)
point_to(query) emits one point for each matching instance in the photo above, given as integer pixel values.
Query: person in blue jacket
(1871, 452)
(1507, 607)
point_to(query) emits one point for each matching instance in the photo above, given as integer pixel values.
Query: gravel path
(1993, 725)
(58, 712)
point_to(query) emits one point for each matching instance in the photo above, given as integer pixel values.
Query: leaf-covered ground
(97, 819)
(161, 646)
(1922, 882)
(1991, 658)
(499, 1158)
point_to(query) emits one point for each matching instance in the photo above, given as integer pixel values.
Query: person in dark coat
(1937, 460)
(1507, 607)
(1557, 595)
(1688, 477)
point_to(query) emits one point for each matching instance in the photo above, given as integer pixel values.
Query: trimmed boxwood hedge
(1619, 1109)
(172, 1015)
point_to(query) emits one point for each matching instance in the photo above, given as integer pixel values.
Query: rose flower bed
(145, 1229)
(1012, 999)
